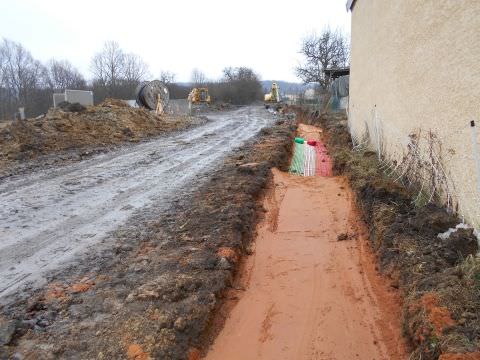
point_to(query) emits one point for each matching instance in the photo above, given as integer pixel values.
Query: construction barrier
(311, 159)
(324, 161)
(298, 159)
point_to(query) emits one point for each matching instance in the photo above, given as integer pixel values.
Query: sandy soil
(309, 295)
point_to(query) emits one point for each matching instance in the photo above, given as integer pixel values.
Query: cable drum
(148, 92)
(138, 90)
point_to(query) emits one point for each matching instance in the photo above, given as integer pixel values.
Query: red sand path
(308, 295)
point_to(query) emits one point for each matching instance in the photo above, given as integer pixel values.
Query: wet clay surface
(310, 295)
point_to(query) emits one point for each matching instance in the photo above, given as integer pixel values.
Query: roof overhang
(350, 4)
(334, 73)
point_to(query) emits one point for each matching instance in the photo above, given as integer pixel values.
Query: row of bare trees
(28, 83)
(116, 73)
(238, 85)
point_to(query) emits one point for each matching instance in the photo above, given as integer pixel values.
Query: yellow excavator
(199, 96)
(272, 99)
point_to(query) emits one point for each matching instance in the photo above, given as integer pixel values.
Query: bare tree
(21, 76)
(5, 98)
(3, 61)
(61, 75)
(135, 69)
(116, 73)
(330, 49)
(240, 74)
(108, 66)
(198, 78)
(240, 85)
(25, 82)
(167, 77)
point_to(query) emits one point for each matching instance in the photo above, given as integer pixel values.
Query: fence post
(377, 132)
(475, 153)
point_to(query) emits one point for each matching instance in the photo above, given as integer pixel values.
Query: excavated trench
(311, 290)
(438, 276)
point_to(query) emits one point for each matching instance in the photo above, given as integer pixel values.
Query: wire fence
(422, 159)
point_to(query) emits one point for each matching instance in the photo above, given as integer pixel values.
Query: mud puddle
(311, 288)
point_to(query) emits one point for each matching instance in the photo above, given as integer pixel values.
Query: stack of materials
(310, 158)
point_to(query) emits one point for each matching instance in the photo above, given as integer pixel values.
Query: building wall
(415, 69)
(178, 107)
(58, 98)
(83, 97)
(339, 94)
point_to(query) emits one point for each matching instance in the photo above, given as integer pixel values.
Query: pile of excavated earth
(73, 132)
(439, 279)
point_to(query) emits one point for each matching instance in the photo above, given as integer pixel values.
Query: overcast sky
(174, 35)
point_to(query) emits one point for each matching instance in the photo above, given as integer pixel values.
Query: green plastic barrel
(299, 140)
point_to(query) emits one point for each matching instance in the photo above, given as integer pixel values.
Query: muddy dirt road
(312, 291)
(49, 218)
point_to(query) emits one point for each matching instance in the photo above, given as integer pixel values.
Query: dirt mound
(440, 278)
(71, 107)
(74, 127)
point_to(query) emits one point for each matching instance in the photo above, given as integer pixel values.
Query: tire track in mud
(50, 217)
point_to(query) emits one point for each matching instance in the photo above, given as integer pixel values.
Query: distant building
(339, 87)
(291, 99)
(336, 72)
(309, 94)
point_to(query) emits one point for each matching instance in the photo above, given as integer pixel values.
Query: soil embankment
(311, 288)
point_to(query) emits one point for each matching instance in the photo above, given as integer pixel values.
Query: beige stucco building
(414, 90)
